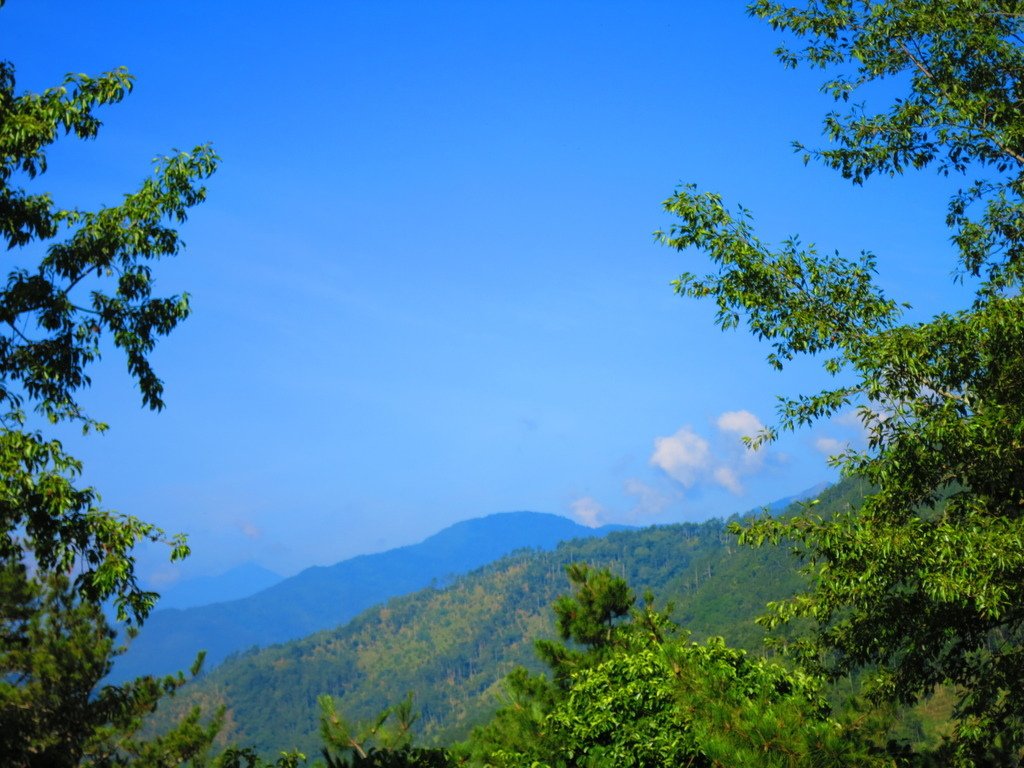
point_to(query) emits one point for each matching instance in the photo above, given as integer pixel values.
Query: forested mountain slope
(452, 646)
(323, 597)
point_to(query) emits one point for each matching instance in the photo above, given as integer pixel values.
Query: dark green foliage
(384, 742)
(246, 757)
(586, 617)
(923, 587)
(587, 624)
(75, 280)
(94, 281)
(56, 648)
(406, 757)
(527, 702)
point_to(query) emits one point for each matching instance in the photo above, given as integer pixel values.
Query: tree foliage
(643, 695)
(93, 282)
(925, 585)
(384, 742)
(56, 649)
(79, 282)
(587, 618)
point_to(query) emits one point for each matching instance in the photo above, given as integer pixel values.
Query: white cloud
(742, 423)
(588, 511)
(688, 458)
(684, 456)
(830, 446)
(728, 479)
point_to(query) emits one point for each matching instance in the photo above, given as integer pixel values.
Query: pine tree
(56, 649)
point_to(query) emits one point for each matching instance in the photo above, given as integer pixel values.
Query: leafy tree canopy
(587, 618)
(92, 282)
(79, 280)
(644, 695)
(926, 583)
(55, 649)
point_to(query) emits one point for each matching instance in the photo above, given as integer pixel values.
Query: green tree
(587, 618)
(384, 742)
(642, 695)
(80, 280)
(924, 586)
(674, 702)
(590, 626)
(55, 650)
(93, 281)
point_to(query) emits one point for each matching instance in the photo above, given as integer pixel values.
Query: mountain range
(324, 597)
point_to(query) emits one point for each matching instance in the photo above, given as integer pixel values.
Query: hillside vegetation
(453, 646)
(324, 597)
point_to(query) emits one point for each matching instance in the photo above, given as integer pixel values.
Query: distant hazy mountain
(324, 597)
(241, 581)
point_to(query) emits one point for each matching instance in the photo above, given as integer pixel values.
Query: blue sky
(424, 284)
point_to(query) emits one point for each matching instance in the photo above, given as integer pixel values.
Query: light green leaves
(924, 583)
(94, 280)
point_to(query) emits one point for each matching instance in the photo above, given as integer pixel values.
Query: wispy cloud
(650, 501)
(830, 446)
(850, 419)
(249, 529)
(863, 420)
(728, 479)
(162, 577)
(743, 424)
(588, 511)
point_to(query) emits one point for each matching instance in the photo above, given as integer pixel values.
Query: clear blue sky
(424, 285)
